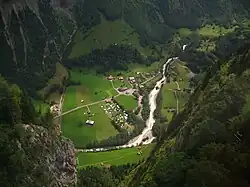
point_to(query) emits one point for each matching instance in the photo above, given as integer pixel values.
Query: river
(146, 134)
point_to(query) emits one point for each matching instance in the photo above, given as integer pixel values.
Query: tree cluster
(103, 60)
(105, 177)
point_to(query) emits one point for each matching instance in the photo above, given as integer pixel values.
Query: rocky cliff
(54, 155)
(32, 152)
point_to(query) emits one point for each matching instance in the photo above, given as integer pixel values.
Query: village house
(90, 122)
(110, 77)
(131, 80)
(108, 101)
(122, 89)
(55, 109)
(120, 78)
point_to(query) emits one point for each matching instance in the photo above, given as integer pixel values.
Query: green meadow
(74, 127)
(92, 88)
(128, 102)
(115, 157)
(105, 34)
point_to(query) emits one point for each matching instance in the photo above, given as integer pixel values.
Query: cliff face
(54, 156)
(32, 155)
(32, 40)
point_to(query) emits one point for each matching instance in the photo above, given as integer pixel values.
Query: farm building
(90, 122)
(110, 77)
(131, 80)
(121, 78)
(122, 89)
(108, 100)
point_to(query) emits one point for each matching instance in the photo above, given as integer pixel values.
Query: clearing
(91, 87)
(115, 157)
(128, 102)
(73, 126)
(105, 34)
(211, 31)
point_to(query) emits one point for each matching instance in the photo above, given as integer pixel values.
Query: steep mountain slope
(31, 42)
(156, 20)
(32, 155)
(208, 143)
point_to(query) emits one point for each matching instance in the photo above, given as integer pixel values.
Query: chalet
(122, 89)
(108, 101)
(90, 122)
(121, 78)
(110, 77)
(131, 80)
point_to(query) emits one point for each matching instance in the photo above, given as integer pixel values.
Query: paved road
(178, 86)
(82, 106)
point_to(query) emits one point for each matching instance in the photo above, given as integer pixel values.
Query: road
(146, 137)
(82, 106)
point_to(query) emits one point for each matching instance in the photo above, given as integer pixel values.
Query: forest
(115, 57)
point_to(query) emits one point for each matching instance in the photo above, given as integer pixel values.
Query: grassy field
(74, 127)
(92, 88)
(105, 34)
(116, 157)
(128, 102)
(118, 83)
(207, 30)
(169, 99)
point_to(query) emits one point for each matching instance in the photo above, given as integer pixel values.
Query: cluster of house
(130, 79)
(55, 109)
(114, 111)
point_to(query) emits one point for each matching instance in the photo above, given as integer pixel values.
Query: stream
(146, 134)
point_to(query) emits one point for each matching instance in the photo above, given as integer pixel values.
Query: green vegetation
(128, 102)
(58, 81)
(41, 106)
(90, 88)
(74, 127)
(115, 157)
(210, 138)
(105, 34)
(207, 31)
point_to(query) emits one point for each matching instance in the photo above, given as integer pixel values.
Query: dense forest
(115, 57)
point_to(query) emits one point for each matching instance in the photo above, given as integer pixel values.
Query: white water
(147, 131)
(184, 47)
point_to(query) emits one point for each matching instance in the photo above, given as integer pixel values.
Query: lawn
(116, 157)
(92, 88)
(207, 30)
(169, 99)
(171, 85)
(105, 34)
(118, 83)
(214, 30)
(74, 127)
(128, 102)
